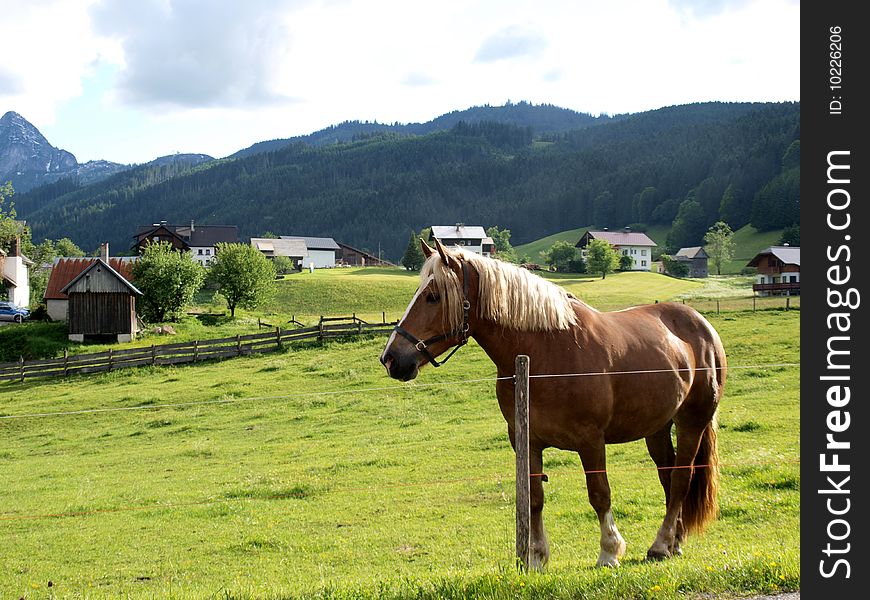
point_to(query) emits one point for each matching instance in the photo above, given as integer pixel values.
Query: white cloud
(511, 42)
(196, 53)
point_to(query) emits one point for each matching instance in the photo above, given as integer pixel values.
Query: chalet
(15, 274)
(65, 270)
(200, 240)
(322, 251)
(779, 271)
(635, 244)
(294, 249)
(470, 237)
(695, 258)
(353, 257)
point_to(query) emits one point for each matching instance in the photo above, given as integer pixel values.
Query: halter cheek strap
(422, 346)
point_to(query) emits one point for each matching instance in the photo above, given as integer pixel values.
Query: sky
(132, 80)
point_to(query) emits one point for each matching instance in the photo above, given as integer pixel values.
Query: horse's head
(435, 320)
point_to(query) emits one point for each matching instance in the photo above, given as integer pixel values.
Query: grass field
(308, 473)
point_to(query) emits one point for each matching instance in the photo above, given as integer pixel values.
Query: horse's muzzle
(399, 367)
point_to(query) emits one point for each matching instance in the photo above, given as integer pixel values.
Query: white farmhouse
(628, 243)
(321, 251)
(472, 238)
(15, 274)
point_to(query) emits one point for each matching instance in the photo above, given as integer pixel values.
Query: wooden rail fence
(187, 352)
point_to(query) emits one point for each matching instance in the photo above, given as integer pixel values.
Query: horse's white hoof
(606, 559)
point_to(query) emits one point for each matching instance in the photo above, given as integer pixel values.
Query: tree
(601, 257)
(283, 265)
(626, 262)
(720, 244)
(502, 240)
(66, 247)
(688, 227)
(674, 267)
(413, 258)
(243, 275)
(9, 227)
(168, 281)
(791, 235)
(560, 255)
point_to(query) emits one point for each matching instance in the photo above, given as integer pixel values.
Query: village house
(695, 258)
(472, 238)
(353, 257)
(321, 251)
(199, 240)
(294, 249)
(635, 244)
(779, 271)
(15, 274)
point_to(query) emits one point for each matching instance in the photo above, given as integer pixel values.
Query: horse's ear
(427, 249)
(445, 256)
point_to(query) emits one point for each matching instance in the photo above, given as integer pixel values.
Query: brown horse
(648, 368)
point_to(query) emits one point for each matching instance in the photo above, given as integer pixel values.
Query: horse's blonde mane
(508, 295)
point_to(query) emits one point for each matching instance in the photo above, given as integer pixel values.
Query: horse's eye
(432, 298)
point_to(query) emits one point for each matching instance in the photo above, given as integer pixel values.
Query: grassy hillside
(308, 472)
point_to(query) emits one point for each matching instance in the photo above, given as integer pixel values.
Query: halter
(422, 346)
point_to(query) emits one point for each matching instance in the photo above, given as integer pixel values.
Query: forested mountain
(542, 119)
(687, 165)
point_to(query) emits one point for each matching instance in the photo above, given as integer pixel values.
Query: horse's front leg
(594, 464)
(539, 547)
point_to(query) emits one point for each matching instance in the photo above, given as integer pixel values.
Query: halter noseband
(422, 346)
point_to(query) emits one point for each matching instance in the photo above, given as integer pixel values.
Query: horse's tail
(701, 505)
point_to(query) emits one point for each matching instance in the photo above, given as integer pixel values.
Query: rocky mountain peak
(26, 157)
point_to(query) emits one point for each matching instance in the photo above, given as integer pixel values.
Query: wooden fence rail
(187, 352)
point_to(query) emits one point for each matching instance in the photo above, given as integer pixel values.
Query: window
(200, 251)
(208, 251)
(643, 263)
(634, 251)
(625, 252)
(643, 252)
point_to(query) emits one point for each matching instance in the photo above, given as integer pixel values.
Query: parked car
(12, 312)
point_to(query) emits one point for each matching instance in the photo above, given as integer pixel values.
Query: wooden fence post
(195, 350)
(521, 433)
(21, 366)
(110, 359)
(753, 302)
(65, 362)
(278, 337)
(238, 345)
(787, 298)
(153, 355)
(717, 306)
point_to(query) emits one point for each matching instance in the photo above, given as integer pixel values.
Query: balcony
(781, 288)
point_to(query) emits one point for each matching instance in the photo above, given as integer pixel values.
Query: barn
(101, 303)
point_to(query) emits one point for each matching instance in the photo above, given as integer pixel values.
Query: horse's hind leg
(594, 464)
(661, 449)
(688, 441)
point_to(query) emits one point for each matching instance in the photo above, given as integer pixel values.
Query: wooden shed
(101, 303)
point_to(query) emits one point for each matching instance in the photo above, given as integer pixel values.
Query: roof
(619, 238)
(201, 235)
(281, 247)
(98, 264)
(461, 232)
(367, 255)
(692, 252)
(67, 269)
(789, 255)
(314, 243)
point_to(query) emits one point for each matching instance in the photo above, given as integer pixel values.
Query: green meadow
(307, 473)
